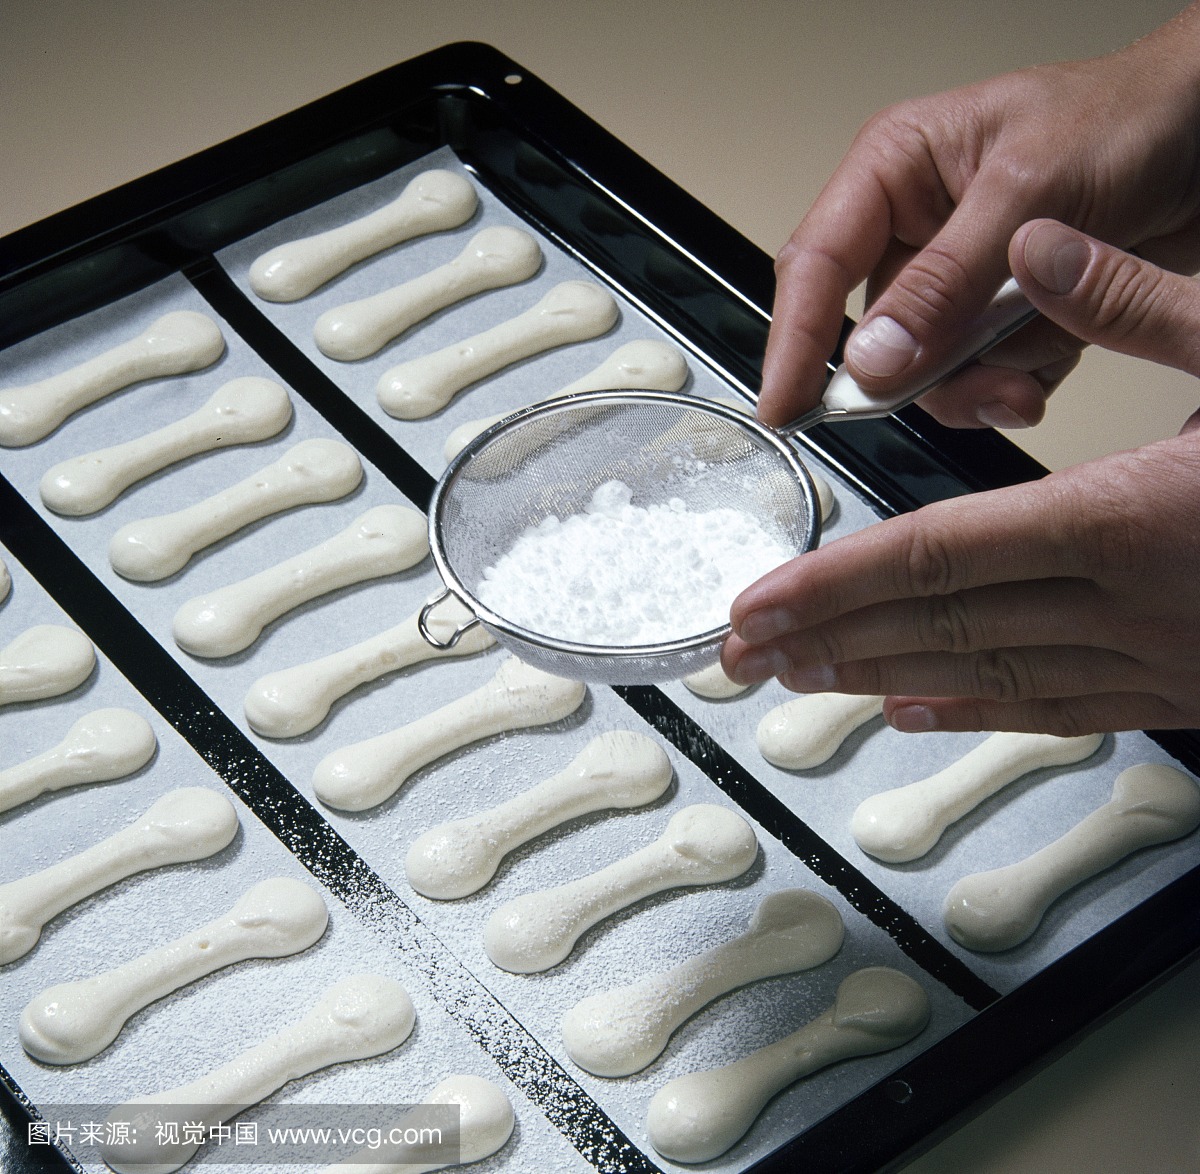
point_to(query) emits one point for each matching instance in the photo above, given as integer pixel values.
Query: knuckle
(1002, 675)
(801, 256)
(930, 288)
(880, 130)
(1132, 300)
(943, 624)
(1020, 168)
(929, 560)
(787, 257)
(827, 647)
(1128, 296)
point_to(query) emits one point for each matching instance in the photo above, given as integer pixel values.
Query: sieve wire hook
(427, 633)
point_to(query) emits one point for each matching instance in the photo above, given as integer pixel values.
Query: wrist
(1169, 57)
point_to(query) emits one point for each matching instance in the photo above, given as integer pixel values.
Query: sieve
(548, 459)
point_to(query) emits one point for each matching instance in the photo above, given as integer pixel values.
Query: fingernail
(818, 679)
(766, 624)
(760, 664)
(913, 719)
(998, 415)
(1056, 257)
(881, 347)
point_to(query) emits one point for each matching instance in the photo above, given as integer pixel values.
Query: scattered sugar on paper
(625, 574)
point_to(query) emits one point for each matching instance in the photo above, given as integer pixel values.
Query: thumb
(1105, 296)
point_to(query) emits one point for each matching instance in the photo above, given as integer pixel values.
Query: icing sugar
(620, 573)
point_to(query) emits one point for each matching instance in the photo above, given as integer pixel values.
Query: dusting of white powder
(619, 573)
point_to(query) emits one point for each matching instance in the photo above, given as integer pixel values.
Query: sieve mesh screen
(549, 459)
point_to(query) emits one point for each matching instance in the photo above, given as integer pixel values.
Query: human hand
(1068, 605)
(929, 195)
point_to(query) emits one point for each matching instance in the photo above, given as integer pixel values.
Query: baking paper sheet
(660, 932)
(1027, 814)
(1022, 817)
(617, 952)
(186, 1034)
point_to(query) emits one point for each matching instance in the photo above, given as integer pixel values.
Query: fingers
(1068, 717)
(1005, 675)
(810, 296)
(991, 397)
(888, 186)
(1007, 615)
(917, 320)
(1010, 384)
(1025, 532)
(918, 317)
(833, 249)
(1109, 297)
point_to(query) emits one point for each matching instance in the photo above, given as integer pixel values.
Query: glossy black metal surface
(707, 285)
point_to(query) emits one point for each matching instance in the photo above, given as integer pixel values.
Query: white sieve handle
(427, 633)
(845, 400)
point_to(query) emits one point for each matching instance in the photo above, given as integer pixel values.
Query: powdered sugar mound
(625, 574)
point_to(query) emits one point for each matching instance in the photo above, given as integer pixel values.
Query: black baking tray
(703, 282)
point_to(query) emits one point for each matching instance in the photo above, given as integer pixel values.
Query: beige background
(748, 104)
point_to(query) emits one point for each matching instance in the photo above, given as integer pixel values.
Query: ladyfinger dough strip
(572, 311)
(905, 823)
(383, 541)
(434, 201)
(241, 412)
(362, 1016)
(997, 910)
(493, 258)
(702, 845)
(364, 774)
(174, 344)
(806, 732)
(622, 1030)
(712, 684)
(188, 824)
(74, 1021)
(485, 1123)
(616, 769)
(699, 1116)
(309, 472)
(46, 660)
(645, 364)
(101, 746)
(292, 701)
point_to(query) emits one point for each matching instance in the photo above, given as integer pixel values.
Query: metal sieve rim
(624, 397)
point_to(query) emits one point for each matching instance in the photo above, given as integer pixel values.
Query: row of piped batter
(576, 694)
(382, 768)
(992, 911)
(301, 676)
(702, 844)
(70, 1023)
(73, 1022)
(687, 836)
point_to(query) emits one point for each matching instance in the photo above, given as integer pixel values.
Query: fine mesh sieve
(548, 459)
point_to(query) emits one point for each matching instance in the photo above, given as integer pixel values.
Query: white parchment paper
(658, 933)
(188, 1033)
